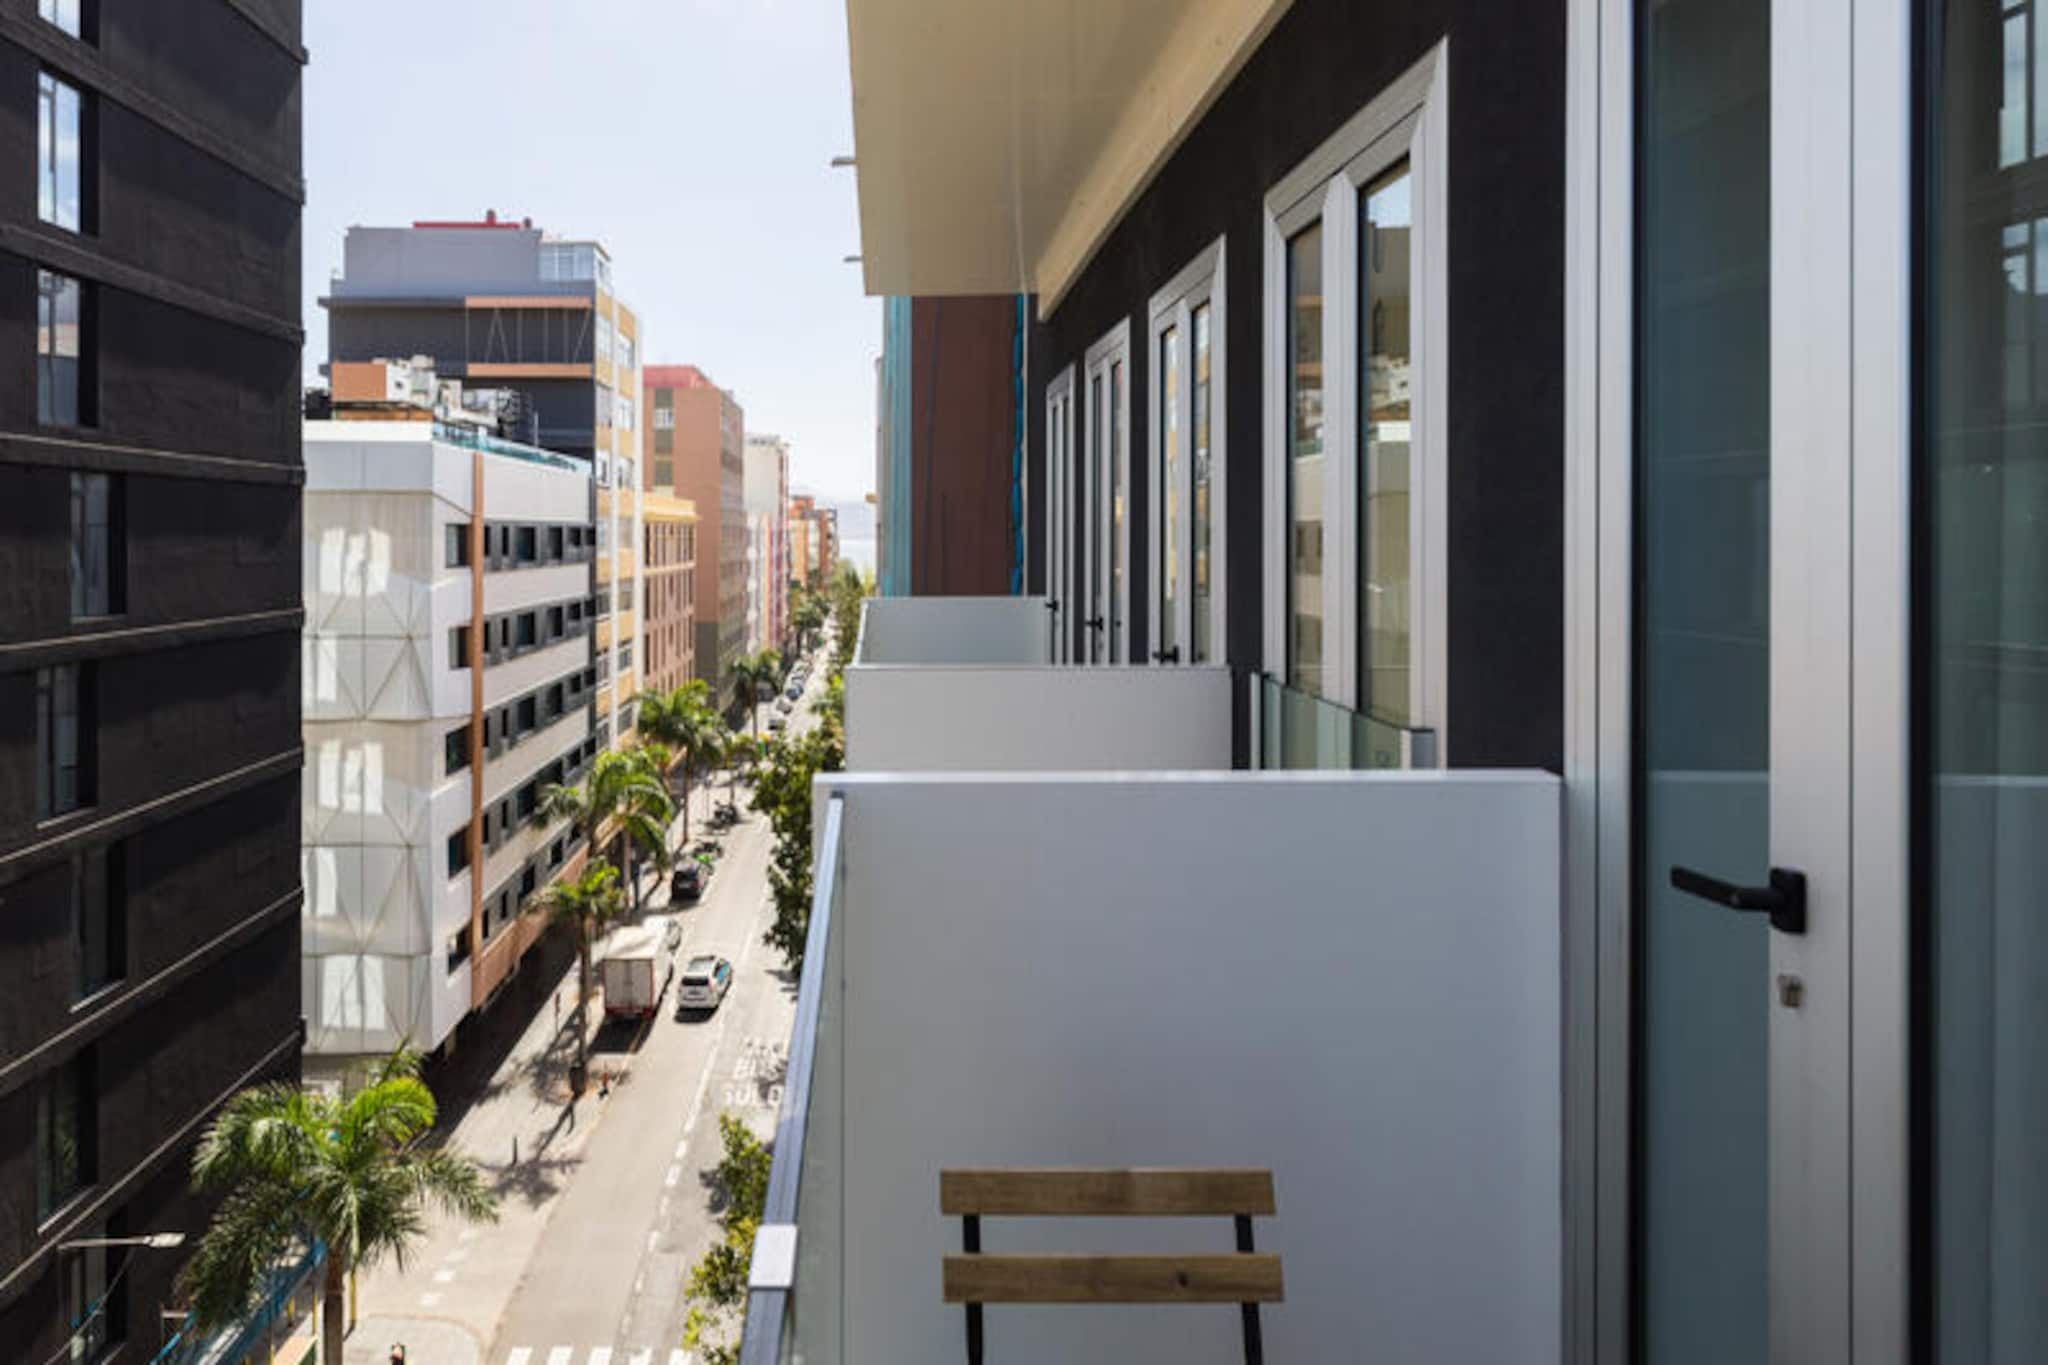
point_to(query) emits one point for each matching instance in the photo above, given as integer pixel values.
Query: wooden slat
(1084, 1193)
(1249, 1278)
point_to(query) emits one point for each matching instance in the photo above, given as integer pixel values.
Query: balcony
(965, 684)
(1307, 973)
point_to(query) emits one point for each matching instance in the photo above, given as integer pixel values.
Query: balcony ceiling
(999, 141)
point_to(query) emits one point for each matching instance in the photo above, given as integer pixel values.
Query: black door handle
(1052, 604)
(1166, 656)
(1784, 899)
(1093, 623)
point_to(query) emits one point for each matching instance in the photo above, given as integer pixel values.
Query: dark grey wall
(193, 265)
(1322, 63)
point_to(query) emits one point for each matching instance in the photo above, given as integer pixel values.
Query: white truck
(639, 961)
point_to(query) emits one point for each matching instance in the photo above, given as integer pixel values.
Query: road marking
(675, 1173)
(653, 1237)
(444, 1277)
(520, 1355)
(560, 1355)
(681, 1147)
(644, 1356)
(600, 1355)
(429, 1300)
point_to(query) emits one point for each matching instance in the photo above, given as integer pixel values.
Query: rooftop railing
(469, 438)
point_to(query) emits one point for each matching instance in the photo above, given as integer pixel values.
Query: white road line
(682, 1147)
(560, 1355)
(675, 1173)
(600, 1355)
(444, 1277)
(653, 1238)
(678, 1356)
(644, 1356)
(429, 1300)
(520, 1355)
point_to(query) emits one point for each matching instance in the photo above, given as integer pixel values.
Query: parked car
(777, 720)
(705, 981)
(687, 882)
(784, 704)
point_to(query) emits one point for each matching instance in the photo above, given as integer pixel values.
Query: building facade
(496, 303)
(149, 471)
(950, 447)
(813, 540)
(450, 676)
(696, 449)
(668, 630)
(767, 500)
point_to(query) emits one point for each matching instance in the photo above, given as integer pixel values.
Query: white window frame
(1407, 120)
(1113, 348)
(1200, 281)
(1059, 511)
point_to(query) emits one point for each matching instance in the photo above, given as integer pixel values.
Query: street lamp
(155, 1241)
(852, 260)
(839, 162)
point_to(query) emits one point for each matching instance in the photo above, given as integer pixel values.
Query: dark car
(687, 883)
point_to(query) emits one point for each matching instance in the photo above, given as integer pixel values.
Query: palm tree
(588, 905)
(682, 719)
(806, 614)
(737, 747)
(298, 1167)
(749, 672)
(626, 790)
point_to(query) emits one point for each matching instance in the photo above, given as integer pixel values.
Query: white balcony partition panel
(946, 718)
(1093, 970)
(955, 630)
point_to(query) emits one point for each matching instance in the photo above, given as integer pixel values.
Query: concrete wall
(936, 718)
(954, 630)
(1059, 972)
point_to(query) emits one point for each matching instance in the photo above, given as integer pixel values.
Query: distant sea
(857, 534)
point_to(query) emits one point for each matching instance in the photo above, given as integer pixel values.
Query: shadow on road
(463, 1072)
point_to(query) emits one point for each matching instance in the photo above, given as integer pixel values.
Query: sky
(692, 137)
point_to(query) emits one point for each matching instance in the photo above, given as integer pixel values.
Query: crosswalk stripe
(560, 1355)
(644, 1356)
(600, 1355)
(520, 1355)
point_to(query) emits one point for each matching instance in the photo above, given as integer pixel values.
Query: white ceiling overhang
(999, 141)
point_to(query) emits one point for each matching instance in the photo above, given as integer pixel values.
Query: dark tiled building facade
(150, 198)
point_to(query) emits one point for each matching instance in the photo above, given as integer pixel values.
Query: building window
(1354, 545)
(624, 413)
(1185, 450)
(528, 551)
(93, 1305)
(61, 153)
(529, 630)
(458, 850)
(529, 714)
(65, 1135)
(604, 419)
(70, 16)
(458, 948)
(457, 556)
(557, 542)
(1307, 471)
(604, 339)
(664, 414)
(625, 351)
(458, 647)
(64, 739)
(99, 921)
(62, 341)
(96, 568)
(455, 749)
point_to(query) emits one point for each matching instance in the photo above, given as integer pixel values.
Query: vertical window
(455, 749)
(1119, 485)
(1384, 548)
(1171, 494)
(458, 850)
(93, 1306)
(1202, 648)
(64, 758)
(60, 153)
(528, 550)
(1306, 467)
(457, 556)
(458, 647)
(68, 15)
(64, 1135)
(99, 921)
(62, 397)
(96, 577)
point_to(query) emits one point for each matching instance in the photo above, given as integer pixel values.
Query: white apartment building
(767, 503)
(448, 677)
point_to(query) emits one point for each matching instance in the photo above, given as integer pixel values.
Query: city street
(605, 1204)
